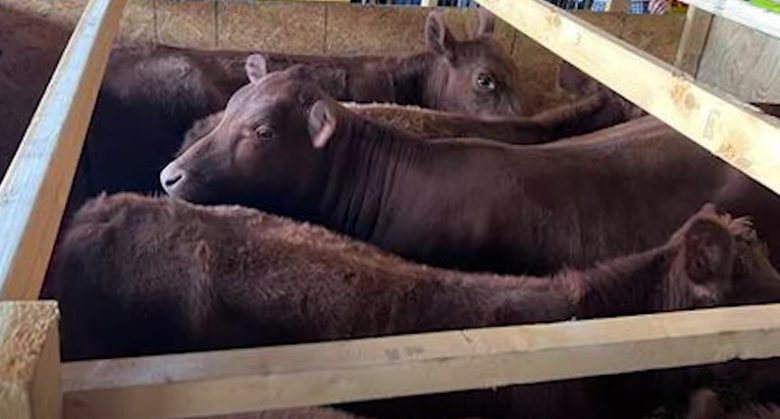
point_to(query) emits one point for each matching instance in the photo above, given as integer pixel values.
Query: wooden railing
(33, 194)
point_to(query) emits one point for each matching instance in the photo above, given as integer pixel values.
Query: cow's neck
(628, 285)
(401, 79)
(364, 160)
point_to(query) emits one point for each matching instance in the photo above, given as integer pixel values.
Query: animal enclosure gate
(34, 191)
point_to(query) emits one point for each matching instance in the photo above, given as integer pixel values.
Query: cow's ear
(322, 123)
(708, 250)
(256, 67)
(487, 24)
(438, 37)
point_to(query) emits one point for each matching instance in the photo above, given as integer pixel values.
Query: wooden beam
(36, 185)
(734, 131)
(742, 12)
(693, 40)
(29, 360)
(223, 382)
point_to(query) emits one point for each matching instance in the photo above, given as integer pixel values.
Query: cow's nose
(170, 177)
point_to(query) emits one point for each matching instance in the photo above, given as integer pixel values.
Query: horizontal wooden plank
(36, 185)
(742, 12)
(222, 382)
(734, 131)
(29, 360)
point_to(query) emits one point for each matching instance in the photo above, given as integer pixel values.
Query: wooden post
(693, 40)
(224, 382)
(36, 185)
(29, 361)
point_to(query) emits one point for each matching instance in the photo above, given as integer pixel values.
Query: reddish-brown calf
(285, 147)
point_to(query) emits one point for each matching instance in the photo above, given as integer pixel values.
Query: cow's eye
(264, 133)
(485, 82)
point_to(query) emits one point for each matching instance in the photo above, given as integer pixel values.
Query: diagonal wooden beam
(730, 129)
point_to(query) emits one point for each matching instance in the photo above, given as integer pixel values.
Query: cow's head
(473, 76)
(267, 150)
(719, 261)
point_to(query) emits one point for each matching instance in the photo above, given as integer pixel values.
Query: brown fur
(705, 404)
(153, 93)
(142, 275)
(586, 115)
(462, 203)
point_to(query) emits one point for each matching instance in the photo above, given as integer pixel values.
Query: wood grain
(742, 61)
(221, 382)
(657, 35)
(29, 360)
(693, 40)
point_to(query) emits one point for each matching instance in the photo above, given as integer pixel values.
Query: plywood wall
(742, 61)
(330, 28)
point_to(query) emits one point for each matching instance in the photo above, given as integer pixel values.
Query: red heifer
(285, 147)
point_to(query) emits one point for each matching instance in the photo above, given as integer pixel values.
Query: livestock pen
(33, 194)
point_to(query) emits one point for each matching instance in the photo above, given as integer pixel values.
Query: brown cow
(141, 275)
(284, 146)
(705, 404)
(597, 111)
(152, 94)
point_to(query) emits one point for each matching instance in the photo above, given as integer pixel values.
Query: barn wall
(742, 61)
(332, 28)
